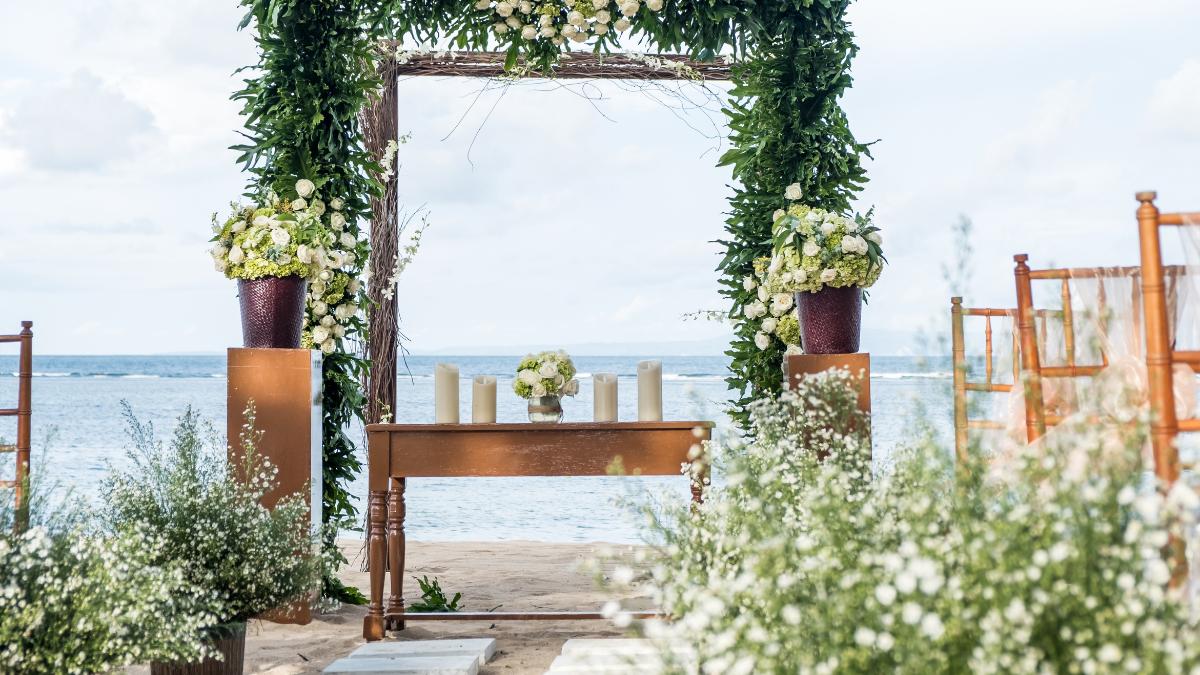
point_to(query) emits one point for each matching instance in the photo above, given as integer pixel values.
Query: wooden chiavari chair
(1161, 355)
(963, 424)
(22, 412)
(1036, 418)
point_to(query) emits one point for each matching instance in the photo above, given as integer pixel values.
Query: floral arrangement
(546, 374)
(302, 237)
(248, 559)
(813, 248)
(73, 602)
(556, 21)
(803, 561)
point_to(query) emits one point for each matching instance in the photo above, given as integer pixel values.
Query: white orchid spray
(546, 374)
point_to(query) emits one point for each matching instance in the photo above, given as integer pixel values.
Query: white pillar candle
(650, 391)
(445, 393)
(483, 400)
(605, 397)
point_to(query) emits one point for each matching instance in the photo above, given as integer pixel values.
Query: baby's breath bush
(74, 602)
(248, 559)
(803, 562)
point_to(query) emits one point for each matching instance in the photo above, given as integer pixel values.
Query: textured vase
(229, 641)
(545, 410)
(830, 320)
(272, 312)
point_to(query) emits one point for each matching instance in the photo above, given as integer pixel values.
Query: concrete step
(482, 648)
(606, 664)
(452, 664)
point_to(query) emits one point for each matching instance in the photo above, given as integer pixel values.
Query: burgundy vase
(830, 320)
(272, 311)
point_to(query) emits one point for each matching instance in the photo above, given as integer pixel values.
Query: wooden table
(398, 452)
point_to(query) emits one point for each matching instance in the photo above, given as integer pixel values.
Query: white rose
(781, 303)
(513, 23)
(762, 293)
(219, 251)
(604, 16)
(261, 221)
(280, 236)
(762, 340)
(800, 276)
(528, 377)
(354, 285)
(548, 370)
(336, 204)
(504, 9)
(339, 331)
(219, 264)
(325, 275)
(236, 255)
(793, 192)
(622, 25)
(576, 18)
(348, 257)
(238, 226)
(327, 321)
(828, 275)
(345, 311)
(546, 20)
(850, 244)
(599, 4)
(875, 237)
(630, 8)
(320, 308)
(539, 390)
(755, 309)
(304, 254)
(299, 205)
(525, 7)
(779, 213)
(529, 32)
(828, 227)
(305, 187)
(810, 248)
(654, 5)
(547, 32)
(571, 388)
(348, 240)
(600, 29)
(483, 4)
(316, 208)
(320, 334)
(318, 289)
(500, 28)
(328, 346)
(569, 30)
(749, 283)
(770, 324)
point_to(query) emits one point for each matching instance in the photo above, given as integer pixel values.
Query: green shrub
(1052, 564)
(248, 559)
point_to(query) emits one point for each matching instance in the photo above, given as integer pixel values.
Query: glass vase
(545, 410)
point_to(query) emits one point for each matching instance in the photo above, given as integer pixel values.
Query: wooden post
(1035, 414)
(285, 387)
(395, 553)
(959, 358)
(380, 125)
(24, 427)
(1163, 424)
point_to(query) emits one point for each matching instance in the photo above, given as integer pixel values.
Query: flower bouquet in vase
(543, 379)
(282, 251)
(824, 260)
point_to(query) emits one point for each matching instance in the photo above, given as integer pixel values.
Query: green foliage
(433, 598)
(808, 559)
(245, 558)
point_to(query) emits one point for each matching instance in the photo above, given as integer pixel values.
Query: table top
(526, 427)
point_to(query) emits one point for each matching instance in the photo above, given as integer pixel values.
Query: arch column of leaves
(321, 74)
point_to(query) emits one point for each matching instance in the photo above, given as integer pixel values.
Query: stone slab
(605, 664)
(630, 646)
(481, 648)
(452, 664)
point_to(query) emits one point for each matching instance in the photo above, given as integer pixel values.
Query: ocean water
(79, 432)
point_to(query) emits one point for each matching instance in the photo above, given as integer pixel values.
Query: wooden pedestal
(859, 365)
(285, 387)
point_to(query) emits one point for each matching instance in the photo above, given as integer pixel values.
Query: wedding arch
(322, 103)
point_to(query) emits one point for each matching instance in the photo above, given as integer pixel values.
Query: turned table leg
(376, 545)
(394, 616)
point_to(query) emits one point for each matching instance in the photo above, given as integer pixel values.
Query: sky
(570, 215)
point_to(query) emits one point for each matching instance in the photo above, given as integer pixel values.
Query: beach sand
(506, 576)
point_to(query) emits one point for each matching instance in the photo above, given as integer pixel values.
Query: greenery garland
(316, 72)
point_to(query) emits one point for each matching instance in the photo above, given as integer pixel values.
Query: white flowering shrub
(248, 559)
(546, 374)
(803, 562)
(74, 602)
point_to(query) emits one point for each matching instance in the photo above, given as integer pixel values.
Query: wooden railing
(20, 484)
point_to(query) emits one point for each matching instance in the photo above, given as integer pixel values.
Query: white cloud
(80, 124)
(1174, 106)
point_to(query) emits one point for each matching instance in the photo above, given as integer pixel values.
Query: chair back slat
(962, 422)
(23, 412)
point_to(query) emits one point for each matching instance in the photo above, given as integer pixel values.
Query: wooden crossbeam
(574, 65)
(515, 616)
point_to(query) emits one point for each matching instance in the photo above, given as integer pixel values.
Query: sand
(512, 575)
